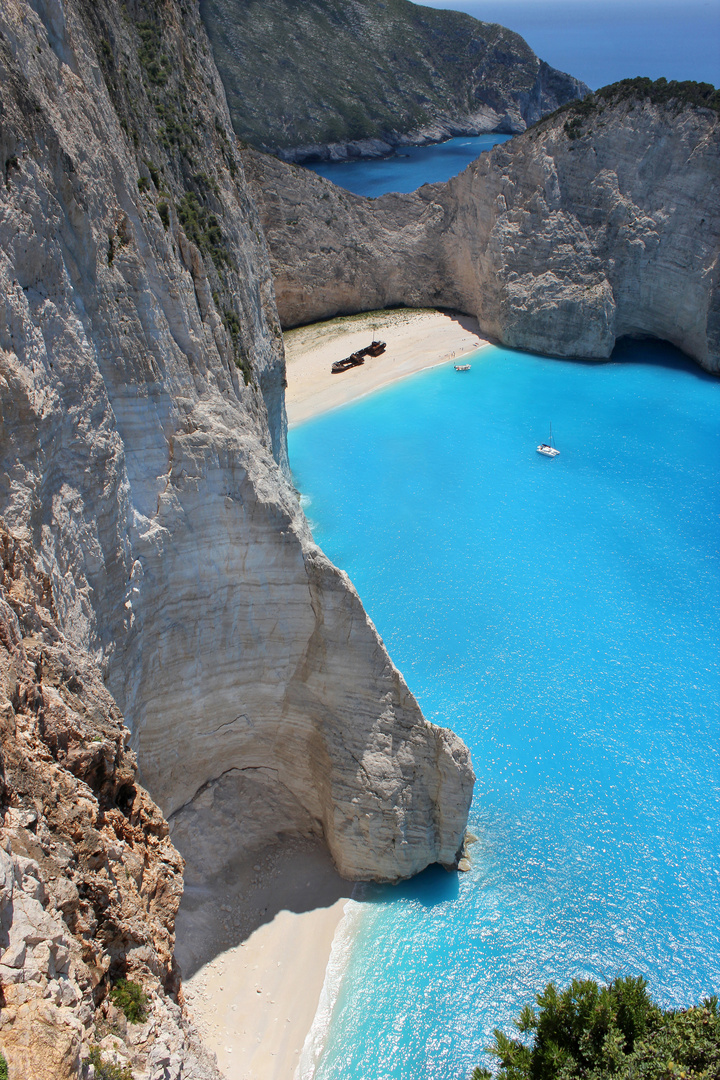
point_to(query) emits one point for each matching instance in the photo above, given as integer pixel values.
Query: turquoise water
(411, 167)
(561, 615)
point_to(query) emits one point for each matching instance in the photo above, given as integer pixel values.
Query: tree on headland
(592, 1032)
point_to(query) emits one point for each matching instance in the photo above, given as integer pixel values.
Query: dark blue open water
(601, 41)
(561, 615)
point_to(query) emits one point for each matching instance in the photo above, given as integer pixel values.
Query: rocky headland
(143, 477)
(333, 79)
(601, 221)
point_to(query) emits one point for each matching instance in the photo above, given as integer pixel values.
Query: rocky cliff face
(328, 80)
(89, 881)
(142, 446)
(600, 222)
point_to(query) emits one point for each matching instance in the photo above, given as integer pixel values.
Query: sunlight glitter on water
(561, 616)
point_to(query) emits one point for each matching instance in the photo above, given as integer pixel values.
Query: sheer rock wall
(583, 229)
(143, 443)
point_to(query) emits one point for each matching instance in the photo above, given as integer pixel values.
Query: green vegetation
(674, 95)
(203, 228)
(129, 997)
(143, 184)
(175, 127)
(107, 1070)
(3, 1068)
(225, 147)
(164, 211)
(156, 66)
(154, 174)
(366, 69)
(232, 324)
(589, 1032)
(661, 92)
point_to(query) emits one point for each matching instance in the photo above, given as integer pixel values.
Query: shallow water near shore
(561, 616)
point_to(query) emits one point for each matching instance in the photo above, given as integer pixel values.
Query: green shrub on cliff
(3, 1068)
(129, 997)
(661, 92)
(203, 228)
(675, 95)
(105, 1069)
(598, 1032)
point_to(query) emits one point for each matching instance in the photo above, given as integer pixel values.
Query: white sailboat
(548, 448)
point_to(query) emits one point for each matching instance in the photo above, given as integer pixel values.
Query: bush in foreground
(594, 1033)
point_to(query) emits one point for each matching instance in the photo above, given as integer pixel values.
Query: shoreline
(254, 994)
(416, 341)
(309, 154)
(264, 939)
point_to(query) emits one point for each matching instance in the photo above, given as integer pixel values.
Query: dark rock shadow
(432, 887)
(251, 851)
(656, 353)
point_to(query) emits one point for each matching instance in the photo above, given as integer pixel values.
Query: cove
(410, 167)
(561, 616)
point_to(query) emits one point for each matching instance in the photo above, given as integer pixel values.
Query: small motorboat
(462, 367)
(548, 449)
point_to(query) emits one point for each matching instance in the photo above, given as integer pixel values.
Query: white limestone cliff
(142, 446)
(592, 225)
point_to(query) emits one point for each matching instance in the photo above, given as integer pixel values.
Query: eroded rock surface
(143, 444)
(601, 222)
(90, 883)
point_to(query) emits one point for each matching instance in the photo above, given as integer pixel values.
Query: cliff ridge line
(358, 78)
(599, 222)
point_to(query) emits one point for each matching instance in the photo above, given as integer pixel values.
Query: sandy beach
(253, 993)
(415, 340)
(255, 933)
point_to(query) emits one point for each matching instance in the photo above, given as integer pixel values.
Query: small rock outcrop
(90, 883)
(331, 79)
(599, 222)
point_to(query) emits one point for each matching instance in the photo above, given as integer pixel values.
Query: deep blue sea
(598, 41)
(601, 41)
(561, 615)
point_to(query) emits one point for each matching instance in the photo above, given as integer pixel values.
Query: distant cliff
(601, 221)
(328, 78)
